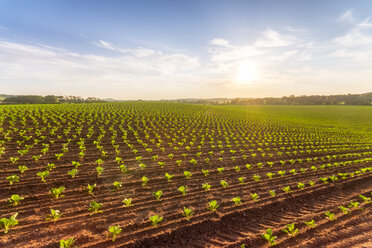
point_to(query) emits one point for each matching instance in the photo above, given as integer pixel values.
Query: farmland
(152, 174)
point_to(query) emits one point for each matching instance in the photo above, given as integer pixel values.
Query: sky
(185, 49)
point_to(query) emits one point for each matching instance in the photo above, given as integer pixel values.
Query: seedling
(241, 180)
(127, 202)
(324, 179)
(270, 175)
(311, 223)
(272, 193)
(311, 183)
(13, 179)
(56, 192)
(205, 172)
(94, 207)
(213, 205)
(237, 200)
(345, 210)
(256, 178)
(155, 219)
(90, 188)
(114, 231)
(353, 204)
(144, 181)
(187, 212)
(68, 243)
(281, 173)
(54, 215)
(206, 186)
(254, 196)
(287, 189)
(183, 190)
(187, 174)
(220, 170)
(224, 184)
(99, 162)
(73, 172)
(14, 160)
(301, 186)
(237, 168)
(117, 185)
(248, 166)
(76, 164)
(269, 237)
(291, 230)
(331, 216)
(168, 177)
(22, 168)
(157, 194)
(143, 166)
(123, 168)
(15, 199)
(99, 170)
(6, 224)
(365, 199)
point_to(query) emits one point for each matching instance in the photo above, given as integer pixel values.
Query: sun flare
(246, 72)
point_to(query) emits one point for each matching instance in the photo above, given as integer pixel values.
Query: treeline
(350, 99)
(33, 99)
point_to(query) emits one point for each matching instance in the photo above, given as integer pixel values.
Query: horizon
(185, 49)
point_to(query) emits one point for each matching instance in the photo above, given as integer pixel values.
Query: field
(178, 175)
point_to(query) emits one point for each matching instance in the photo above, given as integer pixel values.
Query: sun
(246, 72)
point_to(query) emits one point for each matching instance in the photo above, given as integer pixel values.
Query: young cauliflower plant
(311, 223)
(54, 215)
(187, 212)
(224, 184)
(6, 224)
(168, 177)
(155, 219)
(254, 196)
(114, 231)
(237, 200)
(73, 172)
(291, 230)
(187, 174)
(90, 188)
(213, 205)
(157, 194)
(269, 237)
(183, 190)
(331, 216)
(127, 202)
(117, 185)
(67, 243)
(57, 192)
(144, 181)
(206, 186)
(13, 179)
(15, 199)
(43, 175)
(95, 207)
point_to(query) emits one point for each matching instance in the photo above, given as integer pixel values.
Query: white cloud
(63, 71)
(220, 42)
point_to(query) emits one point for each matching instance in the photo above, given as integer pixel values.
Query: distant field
(355, 118)
(178, 175)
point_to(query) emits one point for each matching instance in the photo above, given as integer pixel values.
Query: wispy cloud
(347, 16)
(272, 38)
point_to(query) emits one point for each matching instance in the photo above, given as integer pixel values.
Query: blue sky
(178, 49)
